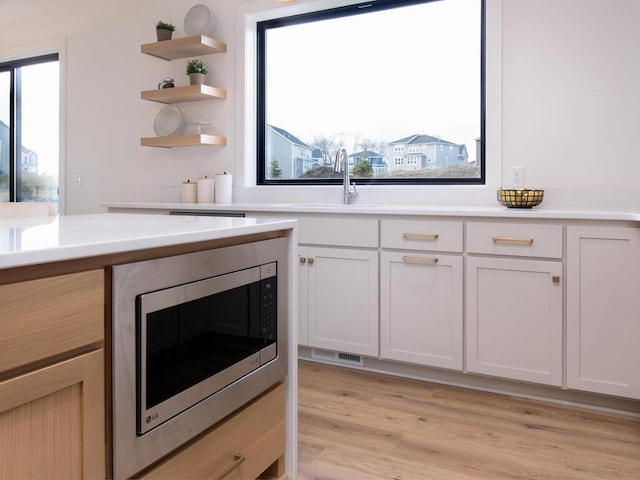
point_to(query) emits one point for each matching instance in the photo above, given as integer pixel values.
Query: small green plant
(165, 26)
(196, 66)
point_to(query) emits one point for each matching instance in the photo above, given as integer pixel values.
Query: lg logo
(152, 417)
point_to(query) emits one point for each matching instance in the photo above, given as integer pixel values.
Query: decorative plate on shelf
(199, 21)
(168, 121)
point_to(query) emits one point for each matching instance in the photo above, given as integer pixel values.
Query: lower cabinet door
(514, 319)
(421, 309)
(343, 300)
(243, 446)
(52, 421)
(603, 310)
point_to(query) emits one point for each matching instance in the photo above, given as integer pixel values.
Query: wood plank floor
(356, 425)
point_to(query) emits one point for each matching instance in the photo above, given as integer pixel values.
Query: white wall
(563, 101)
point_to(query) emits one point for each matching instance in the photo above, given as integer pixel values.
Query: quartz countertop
(29, 241)
(497, 211)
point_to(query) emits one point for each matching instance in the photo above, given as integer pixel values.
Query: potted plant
(196, 69)
(164, 30)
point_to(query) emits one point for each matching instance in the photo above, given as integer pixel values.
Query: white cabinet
(342, 299)
(421, 308)
(338, 282)
(514, 305)
(603, 305)
(421, 291)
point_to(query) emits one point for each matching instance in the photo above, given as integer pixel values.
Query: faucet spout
(342, 163)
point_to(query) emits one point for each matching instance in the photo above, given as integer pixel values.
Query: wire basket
(519, 197)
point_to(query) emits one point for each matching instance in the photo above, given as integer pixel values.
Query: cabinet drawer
(50, 316)
(257, 432)
(346, 232)
(517, 239)
(431, 235)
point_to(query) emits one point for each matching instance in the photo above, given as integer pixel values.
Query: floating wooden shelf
(184, 47)
(183, 141)
(191, 93)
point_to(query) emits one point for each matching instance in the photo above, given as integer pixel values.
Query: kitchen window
(29, 129)
(379, 79)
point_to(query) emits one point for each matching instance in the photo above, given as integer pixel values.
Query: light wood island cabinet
(247, 445)
(52, 398)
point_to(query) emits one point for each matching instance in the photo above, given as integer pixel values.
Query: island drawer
(255, 433)
(47, 317)
(515, 239)
(344, 232)
(427, 235)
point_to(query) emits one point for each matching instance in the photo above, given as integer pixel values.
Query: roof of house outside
(368, 153)
(421, 139)
(292, 138)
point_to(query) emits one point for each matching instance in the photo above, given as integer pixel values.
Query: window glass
(5, 126)
(40, 132)
(29, 132)
(398, 84)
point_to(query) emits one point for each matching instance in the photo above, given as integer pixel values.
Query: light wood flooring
(356, 425)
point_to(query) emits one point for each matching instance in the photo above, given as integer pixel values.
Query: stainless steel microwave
(195, 337)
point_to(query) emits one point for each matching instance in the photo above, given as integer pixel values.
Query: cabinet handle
(419, 260)
(303, 260)
(421, 236)
(528, 241)
(238, 458)
(310, 261)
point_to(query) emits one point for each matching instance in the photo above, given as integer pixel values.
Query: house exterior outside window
(292, 156)
(432, 153)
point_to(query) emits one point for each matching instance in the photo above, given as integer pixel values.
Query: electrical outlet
(517, 177)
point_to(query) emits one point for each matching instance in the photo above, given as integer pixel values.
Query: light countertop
(29, 241)
(366, 209)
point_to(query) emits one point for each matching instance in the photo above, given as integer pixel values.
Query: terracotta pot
(196, 78)
(163, 34)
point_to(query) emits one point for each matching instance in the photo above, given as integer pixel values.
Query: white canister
(189, 192)
(224, 187)
(205, 190)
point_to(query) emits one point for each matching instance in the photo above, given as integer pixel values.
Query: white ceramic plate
(168, 121)
(198, 21)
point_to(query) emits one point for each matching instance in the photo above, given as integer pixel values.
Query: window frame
(343, 11)
(15, 116)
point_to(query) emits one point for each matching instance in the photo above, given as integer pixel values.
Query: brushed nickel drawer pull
(419, 260)
(303, 260)
(310, 260)
(238, 458)
(421, 236)
(528, 241)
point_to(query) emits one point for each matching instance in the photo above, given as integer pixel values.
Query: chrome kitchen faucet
(342, 162)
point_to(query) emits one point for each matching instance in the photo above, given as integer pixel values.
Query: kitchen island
(55, 340)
